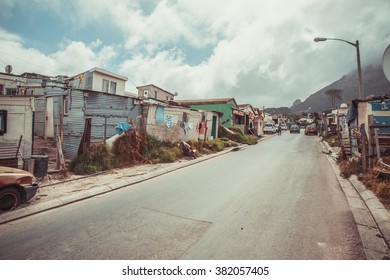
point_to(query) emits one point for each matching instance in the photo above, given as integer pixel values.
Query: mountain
(374, 83)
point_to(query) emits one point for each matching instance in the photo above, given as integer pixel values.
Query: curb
(371, 217)
(98, 190)
(379, 213)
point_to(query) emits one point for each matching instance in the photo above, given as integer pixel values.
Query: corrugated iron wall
(105, 110)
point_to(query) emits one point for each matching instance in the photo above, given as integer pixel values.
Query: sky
(260, 52)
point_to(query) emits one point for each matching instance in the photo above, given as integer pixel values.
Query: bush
(235, 134)
(165, 155)
(127, 149)
(157, 151)
(349, 167)
(214, 145)
(95, 159)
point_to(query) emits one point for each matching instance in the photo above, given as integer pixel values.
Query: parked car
(16, 186)
(283, 126)
(295, 129)
(269, 128)
(311, 129)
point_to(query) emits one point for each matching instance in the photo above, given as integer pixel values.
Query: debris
(186, 149)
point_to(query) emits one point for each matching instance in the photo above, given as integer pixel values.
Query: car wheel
(9, 199)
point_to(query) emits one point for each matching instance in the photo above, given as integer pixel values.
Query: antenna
(8, 69)
(386, 62)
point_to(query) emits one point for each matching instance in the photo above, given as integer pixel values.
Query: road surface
(279, 200)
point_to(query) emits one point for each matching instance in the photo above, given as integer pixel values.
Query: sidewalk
(56, 193)
(371, 217)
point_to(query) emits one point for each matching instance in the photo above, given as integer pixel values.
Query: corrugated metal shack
(105, 112)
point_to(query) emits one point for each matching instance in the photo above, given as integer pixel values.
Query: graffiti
(168, 121)
(187, 126)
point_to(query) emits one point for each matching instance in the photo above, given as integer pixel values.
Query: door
(214, 127)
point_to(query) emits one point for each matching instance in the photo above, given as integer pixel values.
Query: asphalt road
(279, 199)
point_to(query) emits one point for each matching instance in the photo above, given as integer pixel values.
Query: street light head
(319, 39)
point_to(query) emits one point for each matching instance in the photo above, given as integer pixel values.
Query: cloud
(72, 58)
(260, 52)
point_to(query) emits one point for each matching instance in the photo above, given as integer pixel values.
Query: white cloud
(260, 52)
(72, 58)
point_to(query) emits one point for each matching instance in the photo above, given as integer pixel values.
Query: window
(3, 122)
(113, 87)
(105, 85)
(88, 80)
(11, 91)
(66, 105)
(146, 93)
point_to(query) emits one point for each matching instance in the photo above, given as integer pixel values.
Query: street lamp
(359, 68)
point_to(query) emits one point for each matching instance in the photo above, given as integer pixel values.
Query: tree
(334, 95)
(296, 102)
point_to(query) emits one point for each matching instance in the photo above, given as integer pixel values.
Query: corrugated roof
(206, 101)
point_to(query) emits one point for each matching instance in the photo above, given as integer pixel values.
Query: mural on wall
(187, 127)
(168, 121)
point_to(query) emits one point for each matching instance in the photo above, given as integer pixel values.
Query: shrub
(235, 134)
(214, 145)
(96, 158)
(157, 151)
(127, 148)
(349, 167)
(165, 155)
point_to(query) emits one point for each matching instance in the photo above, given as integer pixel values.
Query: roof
(206, 101)
(152, 85)
(100, 70)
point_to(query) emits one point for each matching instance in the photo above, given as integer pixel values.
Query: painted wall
(19, 122)
(97, 83)
(225, 108)
(174, 124)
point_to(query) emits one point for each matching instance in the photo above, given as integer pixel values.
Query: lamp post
(359, 68)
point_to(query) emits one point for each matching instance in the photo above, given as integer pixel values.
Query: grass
(95, 159)
(235, 134)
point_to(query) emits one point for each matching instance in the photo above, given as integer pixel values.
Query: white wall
(97, 83)
(19, 121)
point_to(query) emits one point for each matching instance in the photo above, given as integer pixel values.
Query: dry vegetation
(372, 179)
(133, 148)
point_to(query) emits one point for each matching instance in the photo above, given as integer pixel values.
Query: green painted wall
(225, 108)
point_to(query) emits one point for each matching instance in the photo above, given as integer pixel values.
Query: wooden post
(364, 150)
(61, 156)
(370, 139)
(378, 148)
(105, 129)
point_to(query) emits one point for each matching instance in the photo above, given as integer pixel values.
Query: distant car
(16, 186)
(283, 126)
(295, 129)
(269, 128)
(311, 129)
